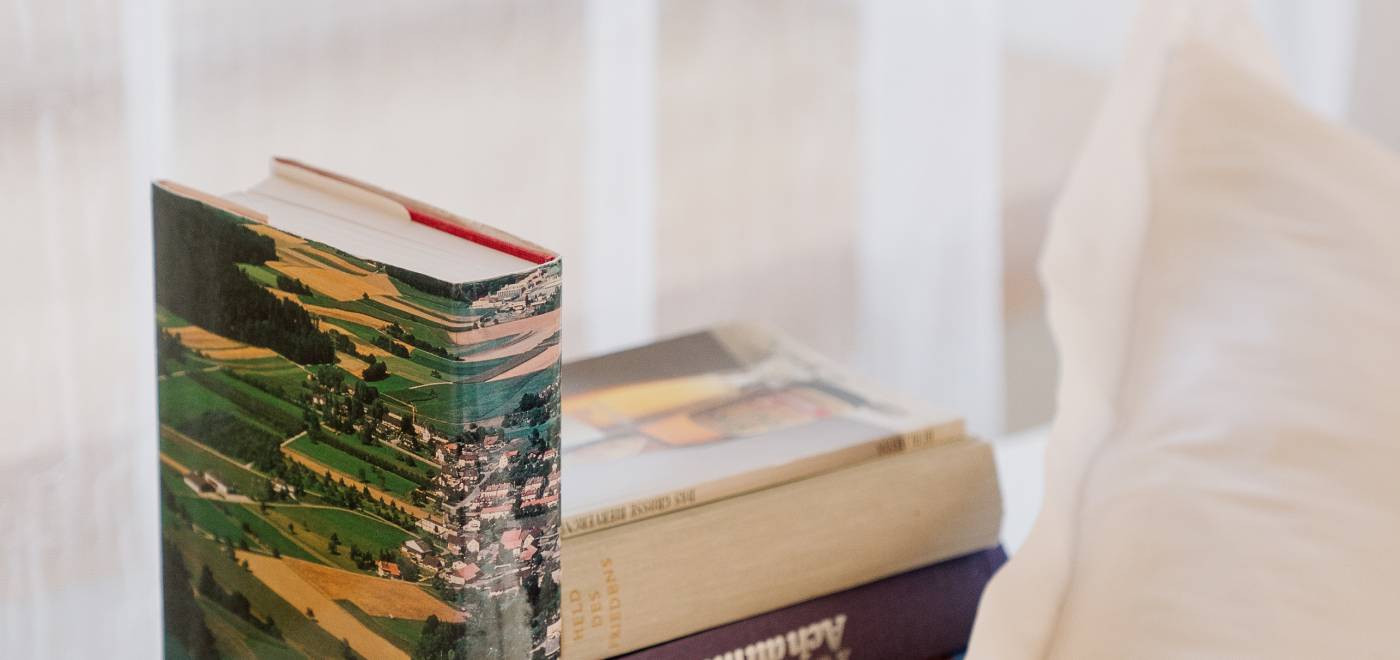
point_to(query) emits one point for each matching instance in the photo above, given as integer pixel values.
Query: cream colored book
(636, 585)
(717, 414)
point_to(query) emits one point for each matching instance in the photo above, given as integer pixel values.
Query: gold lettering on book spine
(662, 503)
(887, 446)
(921, 439)
(597, 610)
(620, 514)
(614, 605)
(604, 518)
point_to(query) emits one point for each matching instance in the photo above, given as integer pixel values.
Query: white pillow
(1223, 476)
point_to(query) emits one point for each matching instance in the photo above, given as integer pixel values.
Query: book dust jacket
(356, 460)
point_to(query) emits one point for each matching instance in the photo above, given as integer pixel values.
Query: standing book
(359, 425)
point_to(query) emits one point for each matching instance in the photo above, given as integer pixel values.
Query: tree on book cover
(356, 460)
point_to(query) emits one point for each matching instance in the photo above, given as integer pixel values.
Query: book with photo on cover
(359, 425)
(718, 413)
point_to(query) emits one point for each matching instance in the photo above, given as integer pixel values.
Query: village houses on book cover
(359, 426)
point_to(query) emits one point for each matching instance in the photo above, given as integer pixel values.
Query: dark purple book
(925, 613)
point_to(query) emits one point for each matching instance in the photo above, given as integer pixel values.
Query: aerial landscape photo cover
(356, 460)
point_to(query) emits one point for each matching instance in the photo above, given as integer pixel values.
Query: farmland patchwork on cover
(342, 450)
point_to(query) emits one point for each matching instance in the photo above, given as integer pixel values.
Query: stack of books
(729, 494)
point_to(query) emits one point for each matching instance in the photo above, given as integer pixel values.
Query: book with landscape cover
(925, 613)
(709, 415)
(359, 425)
(724, 474)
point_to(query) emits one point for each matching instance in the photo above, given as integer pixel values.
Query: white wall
(831, 167)
(694, 162)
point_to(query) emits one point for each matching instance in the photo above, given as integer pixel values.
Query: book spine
(713, 491)
(657, 580)
(925, 613)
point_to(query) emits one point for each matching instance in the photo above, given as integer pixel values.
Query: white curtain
(829, 167)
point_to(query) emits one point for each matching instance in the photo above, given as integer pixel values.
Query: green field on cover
(352, 259)
(418, 369)
(265, 407)
(278, 375)
(299, 631)
(359, 330)
(434, 324)
(334, 458)
(352, 528)
(168, 319)
(261, 365)
(447, 367)
(321, 258)
(236, 638)
(458, 318)
(428, 300)
(273, 370)
(412, 370)
(489, 345)
(265, 365)
(478, 401)
(403, 633)
(393, 382)
(390, 454)
(421, 327)
(454, 370)
(171, 479)
(430, 402)
(515, 433)
(197, 457)
(260, 274)
(212, 517)
(231, 520)
(183, 399)
(266, 533)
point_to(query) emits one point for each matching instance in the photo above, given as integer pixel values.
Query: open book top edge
(375, 224)
(422, 212)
